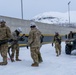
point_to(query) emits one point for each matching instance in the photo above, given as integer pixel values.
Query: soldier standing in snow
(34, 43)
(57, 41)
(5, 34)
(15, 47)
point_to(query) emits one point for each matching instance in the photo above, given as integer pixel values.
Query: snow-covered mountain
(55, 17)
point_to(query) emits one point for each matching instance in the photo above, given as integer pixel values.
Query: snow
(51, 65)
(56, 17)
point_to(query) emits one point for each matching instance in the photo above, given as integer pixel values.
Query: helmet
(32, 24)
(19, 29)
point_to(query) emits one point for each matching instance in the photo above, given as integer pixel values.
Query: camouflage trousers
(58, 48)
(15, 49)
(34, 54)
(3, 52)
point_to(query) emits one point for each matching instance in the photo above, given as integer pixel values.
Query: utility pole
(69, 11)
(22, 9)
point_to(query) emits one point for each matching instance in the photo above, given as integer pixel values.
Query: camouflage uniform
(57, 41)
(5, 34)
(15, 47)
(34, 43)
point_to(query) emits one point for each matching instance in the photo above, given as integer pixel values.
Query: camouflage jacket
(34, 38)
(5, 33)
(57, 39)
(14, 36)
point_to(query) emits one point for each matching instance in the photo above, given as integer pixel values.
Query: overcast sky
(31, 8)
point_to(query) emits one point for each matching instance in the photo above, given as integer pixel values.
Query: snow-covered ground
(51, 65)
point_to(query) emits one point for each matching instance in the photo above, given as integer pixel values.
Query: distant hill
(56, 18)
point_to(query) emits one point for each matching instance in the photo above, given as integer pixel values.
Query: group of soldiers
(5, 34)
(34, 42)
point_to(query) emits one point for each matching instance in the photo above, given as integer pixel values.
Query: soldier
(5, 34)
(57, 41)
(15, 47)
(70, 35)
(34, 43)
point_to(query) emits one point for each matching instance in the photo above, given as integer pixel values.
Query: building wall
(13, 23)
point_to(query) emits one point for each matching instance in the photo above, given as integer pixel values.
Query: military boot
(57, 53)
(35, 64)
(3, 63)
(18, 59)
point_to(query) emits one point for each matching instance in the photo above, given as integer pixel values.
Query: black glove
(27, 47)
